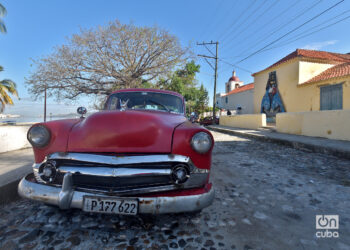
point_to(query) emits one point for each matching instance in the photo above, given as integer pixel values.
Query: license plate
(110, 205)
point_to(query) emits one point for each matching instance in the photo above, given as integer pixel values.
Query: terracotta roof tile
(241, 89)
(333, 72)
(329, 57)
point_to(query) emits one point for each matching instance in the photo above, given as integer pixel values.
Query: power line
(209, 23)
(264, 11)
(215, 69)
(226, 15)
(318, 25)
(306, 34)
(241, 21)
(240, 27)
(236, 66)
(224, 68)
(278, 28)
(208, 49)
(234, 21)
(289, 41)
(286, 34)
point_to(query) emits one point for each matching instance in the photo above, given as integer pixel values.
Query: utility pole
(45, 105)
(215, 79)
(214, 68)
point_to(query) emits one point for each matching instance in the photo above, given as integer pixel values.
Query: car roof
(149, 90)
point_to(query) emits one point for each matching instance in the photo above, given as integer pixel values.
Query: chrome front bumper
(66, 197)
(125, 167)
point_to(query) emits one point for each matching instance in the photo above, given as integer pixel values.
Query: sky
(241, 27)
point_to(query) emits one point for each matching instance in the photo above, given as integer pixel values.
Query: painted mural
(272, 103)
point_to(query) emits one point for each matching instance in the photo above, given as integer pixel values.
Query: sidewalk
(315, 144)
(13, 166)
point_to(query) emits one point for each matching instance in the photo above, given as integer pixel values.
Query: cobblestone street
(267, 196)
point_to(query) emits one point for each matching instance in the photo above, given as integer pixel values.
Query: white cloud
(319, 45)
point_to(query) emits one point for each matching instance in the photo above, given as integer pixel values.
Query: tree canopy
(184, 81)
(6, 87)
(101, 60)
(2, 14)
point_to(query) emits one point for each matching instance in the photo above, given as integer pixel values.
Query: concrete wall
(13, 137)
(332, 124)
(298, 97)
(252, 121)
(242, 99)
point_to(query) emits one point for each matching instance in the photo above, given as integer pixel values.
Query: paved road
(267, 197)
(15, 163)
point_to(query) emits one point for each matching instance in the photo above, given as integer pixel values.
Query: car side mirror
(81, 111)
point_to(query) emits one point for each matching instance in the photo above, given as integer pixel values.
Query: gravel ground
(267, 196)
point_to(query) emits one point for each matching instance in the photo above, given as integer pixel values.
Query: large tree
(2, 14)
(7, 87)
(98, 61)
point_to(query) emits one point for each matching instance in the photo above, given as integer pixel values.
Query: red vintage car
(139, 155)
(208, 121)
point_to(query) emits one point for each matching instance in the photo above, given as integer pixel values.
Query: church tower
(233, 83)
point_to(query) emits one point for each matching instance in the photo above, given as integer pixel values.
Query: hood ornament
(81, 111)
(123, 104)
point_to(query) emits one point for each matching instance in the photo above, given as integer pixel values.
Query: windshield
(146, 101)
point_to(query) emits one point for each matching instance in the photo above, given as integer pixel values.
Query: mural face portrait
(271, 103)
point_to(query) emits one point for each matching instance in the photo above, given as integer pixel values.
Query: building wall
(287, 79)
(331, 124)
(297, 97)
(308, 70)
(251, 121)
(243, 99)
(13, 137)
(220, 100)
(312, 92)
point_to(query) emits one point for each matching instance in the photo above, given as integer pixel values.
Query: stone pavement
(13, 166)
(267, 197)
(315, 144)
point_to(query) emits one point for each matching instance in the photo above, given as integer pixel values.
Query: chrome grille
(112, 174)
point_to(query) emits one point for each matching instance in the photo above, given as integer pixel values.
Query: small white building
(237, 96)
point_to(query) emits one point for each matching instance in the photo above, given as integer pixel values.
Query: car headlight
(39, 136)
(201, 142)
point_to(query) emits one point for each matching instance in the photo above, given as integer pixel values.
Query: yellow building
(305, 80)
(308, 92)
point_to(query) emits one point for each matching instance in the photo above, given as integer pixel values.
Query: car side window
(112, 103)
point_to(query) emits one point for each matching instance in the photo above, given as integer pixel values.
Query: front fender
(182, 144)
(59, 131)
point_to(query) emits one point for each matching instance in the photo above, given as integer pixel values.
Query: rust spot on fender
(44, 199)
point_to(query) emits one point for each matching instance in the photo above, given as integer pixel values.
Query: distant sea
(28, 119)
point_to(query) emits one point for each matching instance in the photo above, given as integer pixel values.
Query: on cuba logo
(327, 226)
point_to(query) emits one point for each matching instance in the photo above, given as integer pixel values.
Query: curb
(8, 193)
(9, 183)
(294, 144)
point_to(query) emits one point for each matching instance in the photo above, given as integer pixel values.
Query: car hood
(129, 131)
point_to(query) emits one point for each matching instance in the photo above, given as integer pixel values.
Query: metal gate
(331, 97)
